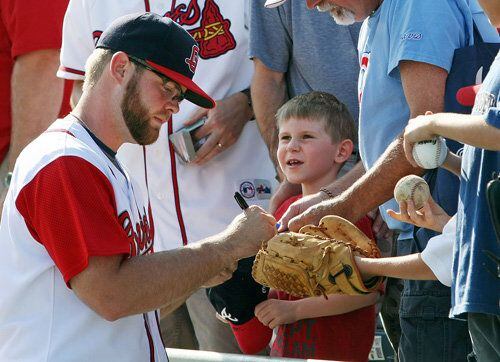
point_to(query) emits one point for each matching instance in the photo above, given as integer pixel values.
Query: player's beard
(136, 114)
(341, 15)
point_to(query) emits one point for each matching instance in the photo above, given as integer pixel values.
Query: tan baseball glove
(319, 260)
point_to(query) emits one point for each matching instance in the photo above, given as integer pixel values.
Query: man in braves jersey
(191, 201)
(79, 277)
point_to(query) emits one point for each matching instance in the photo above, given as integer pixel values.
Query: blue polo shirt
(425, 31)
(475, 287)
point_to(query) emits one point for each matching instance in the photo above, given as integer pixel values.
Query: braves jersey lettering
(186, 15)
(214, 33)
(141, 237)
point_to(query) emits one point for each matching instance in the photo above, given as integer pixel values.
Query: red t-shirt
(26, 26)
(345, 337)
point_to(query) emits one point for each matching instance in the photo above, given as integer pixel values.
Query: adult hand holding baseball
(421, 129)
(248, 230)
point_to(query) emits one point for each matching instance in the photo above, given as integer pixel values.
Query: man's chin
(151, 138)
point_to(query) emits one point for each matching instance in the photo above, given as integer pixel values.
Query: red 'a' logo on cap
(192, 62)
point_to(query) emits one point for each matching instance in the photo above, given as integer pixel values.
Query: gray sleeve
(270, 39)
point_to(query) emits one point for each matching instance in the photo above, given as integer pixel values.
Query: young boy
(316, 135)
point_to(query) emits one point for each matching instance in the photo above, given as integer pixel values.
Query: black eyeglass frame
(142, 63)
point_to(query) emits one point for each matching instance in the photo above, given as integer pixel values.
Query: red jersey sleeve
(69, 207)
(34, 24)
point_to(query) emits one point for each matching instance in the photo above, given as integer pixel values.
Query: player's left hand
(223, 126)
(274, 312)
(418, 129)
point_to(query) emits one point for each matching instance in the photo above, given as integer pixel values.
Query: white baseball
(412, 187)
(431, 153)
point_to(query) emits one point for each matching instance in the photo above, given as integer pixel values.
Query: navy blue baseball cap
(161, 43)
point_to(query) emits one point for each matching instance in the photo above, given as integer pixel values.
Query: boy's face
(306, 153)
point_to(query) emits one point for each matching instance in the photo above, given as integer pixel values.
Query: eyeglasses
(172, 88)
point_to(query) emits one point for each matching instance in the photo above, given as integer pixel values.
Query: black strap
(478, 38)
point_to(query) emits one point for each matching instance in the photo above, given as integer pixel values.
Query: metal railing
(188, 355)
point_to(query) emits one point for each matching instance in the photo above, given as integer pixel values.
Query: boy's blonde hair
(321, 106)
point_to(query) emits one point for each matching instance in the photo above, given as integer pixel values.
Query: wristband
(246, 92)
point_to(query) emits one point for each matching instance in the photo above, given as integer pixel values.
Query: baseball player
(191, 201)
(78, 274)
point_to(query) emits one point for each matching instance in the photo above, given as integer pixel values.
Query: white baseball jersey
(67, 202)
(189, 202)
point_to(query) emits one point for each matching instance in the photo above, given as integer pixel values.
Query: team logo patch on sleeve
(256, 189)
(263, 189)
(247, 189)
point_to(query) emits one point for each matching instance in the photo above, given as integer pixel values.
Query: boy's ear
(344, 151)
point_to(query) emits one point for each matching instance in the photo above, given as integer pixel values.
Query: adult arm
(220, 278)
(268, 95)
(36, 100)
(90, 249)
(36, 97)
(116, 287)
(424, 87)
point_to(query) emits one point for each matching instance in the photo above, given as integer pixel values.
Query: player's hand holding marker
(249, 229)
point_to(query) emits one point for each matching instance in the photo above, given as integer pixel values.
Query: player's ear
(120, 67)
(344, 150)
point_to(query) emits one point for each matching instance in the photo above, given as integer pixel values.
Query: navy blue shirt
(475, 287)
